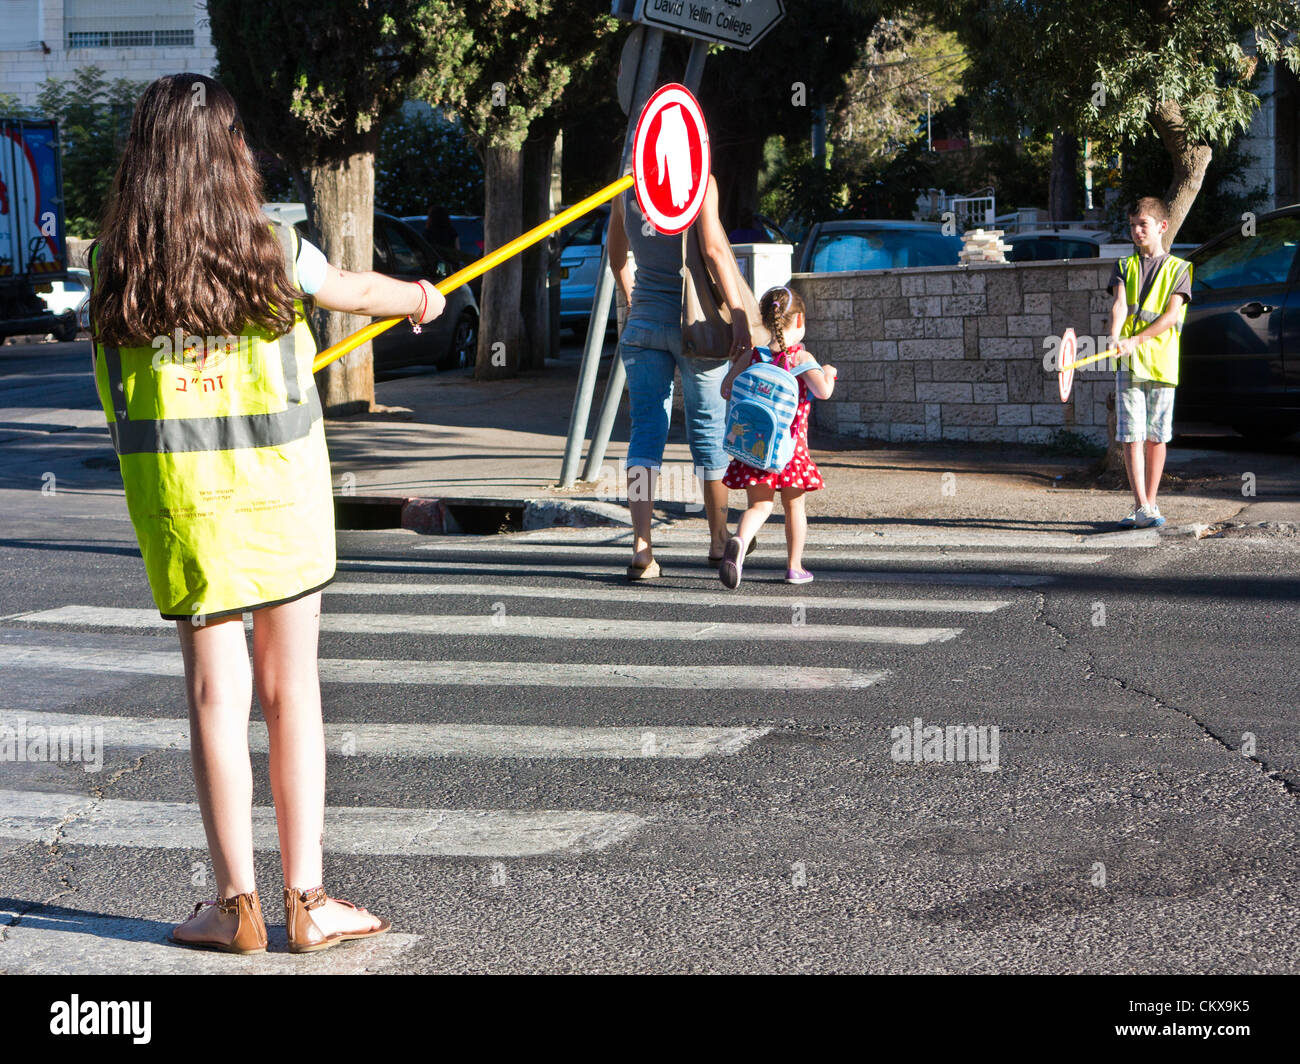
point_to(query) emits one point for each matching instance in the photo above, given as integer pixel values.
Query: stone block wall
(956, 352)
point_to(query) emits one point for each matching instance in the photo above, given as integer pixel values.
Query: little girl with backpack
(783, 315)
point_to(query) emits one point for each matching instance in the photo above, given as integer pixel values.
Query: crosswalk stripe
(52, 940)
(502, 624)
(76, 820)
(882, 554)
(702, 575)
(819, 538)
(672, 596)
(68, 655)
(390, 740)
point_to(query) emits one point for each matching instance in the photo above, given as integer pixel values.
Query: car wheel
(464, 342)
(67, 332)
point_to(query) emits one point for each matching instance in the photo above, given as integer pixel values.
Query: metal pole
(647, 72)
(617, 375)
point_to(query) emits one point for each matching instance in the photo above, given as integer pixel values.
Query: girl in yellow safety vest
(203, 366)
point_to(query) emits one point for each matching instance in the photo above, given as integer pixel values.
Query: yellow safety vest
(222, 448)
(1155, 360)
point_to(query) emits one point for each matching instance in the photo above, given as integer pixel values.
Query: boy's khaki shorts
(1144, 410)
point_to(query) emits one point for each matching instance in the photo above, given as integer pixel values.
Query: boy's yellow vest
(1155, 360)
(222, 449)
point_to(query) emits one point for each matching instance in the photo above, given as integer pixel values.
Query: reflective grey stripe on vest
(229, 433)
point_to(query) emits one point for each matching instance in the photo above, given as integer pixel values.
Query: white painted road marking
(503, 624)
(464, 673)
(423, 740)
(54, 940)
(75, 820)
(671, 596)
(702, 575)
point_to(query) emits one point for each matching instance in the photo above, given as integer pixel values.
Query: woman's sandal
(649, 571)
(248, 936)
(304, 934)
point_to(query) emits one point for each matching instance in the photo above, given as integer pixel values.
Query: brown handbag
(706, 318)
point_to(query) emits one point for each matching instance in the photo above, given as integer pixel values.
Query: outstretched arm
(378, 296)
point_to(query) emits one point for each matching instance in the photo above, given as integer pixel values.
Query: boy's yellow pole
(1112, 353)
(475, 269)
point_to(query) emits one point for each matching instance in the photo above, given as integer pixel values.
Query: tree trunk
(343, 204)
(535, 308)
(1190, 162)
(501, 333)
(1063, 184)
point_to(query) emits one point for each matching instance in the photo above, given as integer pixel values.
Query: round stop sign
(670, 159)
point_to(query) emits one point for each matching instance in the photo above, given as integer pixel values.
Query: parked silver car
(883, 244)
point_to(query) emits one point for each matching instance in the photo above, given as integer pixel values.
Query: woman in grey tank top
(651, 349)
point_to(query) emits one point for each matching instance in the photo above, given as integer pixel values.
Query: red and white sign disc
(1065, 357)
(670, 159)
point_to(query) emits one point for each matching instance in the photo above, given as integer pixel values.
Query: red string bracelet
(424, 305)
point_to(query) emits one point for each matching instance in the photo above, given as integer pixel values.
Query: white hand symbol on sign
(674, 146)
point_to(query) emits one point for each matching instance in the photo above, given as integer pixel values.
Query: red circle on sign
(670, 159)
(1065, 363)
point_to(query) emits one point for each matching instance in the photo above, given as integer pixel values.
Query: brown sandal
(304, 934)
(249, 935)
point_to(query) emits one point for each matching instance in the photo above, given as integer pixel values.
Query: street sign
(739, 23)
(670, 159)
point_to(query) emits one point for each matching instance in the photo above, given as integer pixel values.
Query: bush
(424, 159)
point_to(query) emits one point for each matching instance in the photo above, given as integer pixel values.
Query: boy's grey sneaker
(1130, 521)
(1149, 517)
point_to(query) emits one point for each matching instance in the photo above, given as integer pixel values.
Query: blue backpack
(764, 401)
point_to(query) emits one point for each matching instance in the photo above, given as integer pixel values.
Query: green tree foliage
(94, 118)
(800, 67)
(1174, 69)
(520, 57)
(314, 83)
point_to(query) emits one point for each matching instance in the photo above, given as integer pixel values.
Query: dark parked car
(1239, 359)
(831, 247)
(469, 235)
(449, 341)
(1039, 244)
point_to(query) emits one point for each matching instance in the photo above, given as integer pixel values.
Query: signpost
(735, 23)
(738, 23)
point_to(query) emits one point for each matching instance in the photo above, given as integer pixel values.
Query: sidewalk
(444, 439)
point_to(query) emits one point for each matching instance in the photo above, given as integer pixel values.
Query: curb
(449, 516)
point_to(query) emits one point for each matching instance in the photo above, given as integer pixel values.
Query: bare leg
(796, 525)
(218, 688)
(1155, 461)
(716, 504)
(284, 658)
(760, 509)
(1136, 470)
(640, 501)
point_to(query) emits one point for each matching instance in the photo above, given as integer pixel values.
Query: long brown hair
(184, 243)
(779, 306)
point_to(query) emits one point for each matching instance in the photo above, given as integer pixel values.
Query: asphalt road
(520, 794)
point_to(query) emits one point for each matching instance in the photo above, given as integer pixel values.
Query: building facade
(134, 39)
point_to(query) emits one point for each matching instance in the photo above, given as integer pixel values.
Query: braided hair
(779, 308)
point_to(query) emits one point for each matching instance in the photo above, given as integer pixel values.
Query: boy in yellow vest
(1152, 290)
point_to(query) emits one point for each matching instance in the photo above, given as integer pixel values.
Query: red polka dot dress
(800, 471)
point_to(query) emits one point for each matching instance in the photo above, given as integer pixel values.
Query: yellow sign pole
(475, 269)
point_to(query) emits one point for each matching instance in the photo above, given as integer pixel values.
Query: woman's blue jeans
(651, 351)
